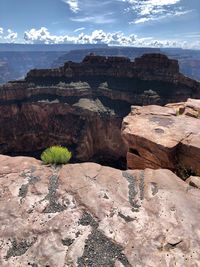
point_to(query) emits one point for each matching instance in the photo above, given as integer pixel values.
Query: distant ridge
(78, 55)
(6, 47)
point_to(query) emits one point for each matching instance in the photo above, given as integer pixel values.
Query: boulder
(91, 215)
(164, 137)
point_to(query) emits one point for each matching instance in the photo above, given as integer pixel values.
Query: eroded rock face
(164, 137)
(90, 215)
(81, 105)
(153, 72)
(90, 130)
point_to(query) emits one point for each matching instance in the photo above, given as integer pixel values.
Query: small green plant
(56, 155)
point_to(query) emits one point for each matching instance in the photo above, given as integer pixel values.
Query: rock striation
(89, 215)
(189, 60)
(164, 137)
(151, 72)
(81, 105)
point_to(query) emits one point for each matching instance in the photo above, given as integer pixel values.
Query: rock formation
(189, 60)
(116, 51)
(151, 72)
(164, 137)
(90, 215)
(81, 105)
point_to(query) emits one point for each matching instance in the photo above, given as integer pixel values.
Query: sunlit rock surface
(90, 215)
(164, 137)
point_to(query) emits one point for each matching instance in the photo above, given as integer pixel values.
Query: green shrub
(56, 155)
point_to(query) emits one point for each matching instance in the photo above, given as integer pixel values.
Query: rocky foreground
(164, 137)
(90, 215)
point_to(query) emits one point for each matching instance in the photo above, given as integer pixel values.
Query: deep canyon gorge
(82, 105)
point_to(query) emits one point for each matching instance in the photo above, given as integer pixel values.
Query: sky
(149, 23)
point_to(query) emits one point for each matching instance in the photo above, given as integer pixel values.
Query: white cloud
(43, 36)
(97, 19)
(1, 31)
(11, 36)
(79, 29)
(99, 36)
(73, 5)
(154, 10)
(82, 19)
(154, 18)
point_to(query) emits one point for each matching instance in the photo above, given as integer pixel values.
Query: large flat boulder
(95, 216)
(164, 137)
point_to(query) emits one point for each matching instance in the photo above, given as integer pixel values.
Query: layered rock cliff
(89, 215)
(81, 105)
(189, 60)
(150, 75)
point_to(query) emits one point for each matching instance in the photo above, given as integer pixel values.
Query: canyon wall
(81, 105)
(189, 60)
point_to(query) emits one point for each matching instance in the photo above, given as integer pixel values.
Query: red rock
(90, 215)
(164, 137)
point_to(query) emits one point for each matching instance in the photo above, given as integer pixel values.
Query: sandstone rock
(90, 215)
(150, 72)
(189, 108)
(194, 181)
(161, 137)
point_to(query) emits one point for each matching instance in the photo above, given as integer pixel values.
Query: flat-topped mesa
(157, 62)
(148, 67)
(92, 58)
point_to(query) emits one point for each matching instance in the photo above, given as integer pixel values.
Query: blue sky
(169, 23)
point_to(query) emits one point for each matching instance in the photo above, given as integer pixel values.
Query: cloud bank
(8, 36)
(42, 35)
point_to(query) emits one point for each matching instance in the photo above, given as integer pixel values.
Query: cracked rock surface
(85, 214)
(164, 137)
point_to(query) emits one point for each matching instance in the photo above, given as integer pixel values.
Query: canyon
(189, 60)
(82, 105)
(137, 116)
(15, 64)
(17, 59)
